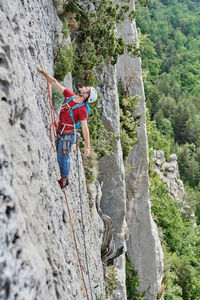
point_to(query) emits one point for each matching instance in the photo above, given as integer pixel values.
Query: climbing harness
(61, 131)
(54, 125)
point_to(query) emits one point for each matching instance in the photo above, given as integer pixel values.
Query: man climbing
(74, 109)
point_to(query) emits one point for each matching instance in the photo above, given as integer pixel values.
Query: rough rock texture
(112, 175)
(37, 252)
(144, 248)
(168, 172)
(38, 258)
(111, 167)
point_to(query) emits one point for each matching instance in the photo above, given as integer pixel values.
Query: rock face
(38, 257)
(111, 167)
(168, 172)
(112, 175)
(143, 246)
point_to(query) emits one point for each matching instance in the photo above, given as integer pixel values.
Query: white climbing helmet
(93, 95)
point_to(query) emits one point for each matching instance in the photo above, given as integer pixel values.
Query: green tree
(171, 59)
(132, 283)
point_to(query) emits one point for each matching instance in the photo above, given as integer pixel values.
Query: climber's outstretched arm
(51, 80)
(86, 136)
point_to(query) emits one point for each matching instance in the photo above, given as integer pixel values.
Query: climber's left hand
(87, 152)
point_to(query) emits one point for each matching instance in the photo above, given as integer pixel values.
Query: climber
(68, 117)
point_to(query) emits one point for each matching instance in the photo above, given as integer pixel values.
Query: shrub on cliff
(132, 283)
(95, 32)
(181, 241)
(129, 122)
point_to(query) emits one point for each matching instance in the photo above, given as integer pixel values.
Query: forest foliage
(170, 40)
(181, 243)
(170, 43)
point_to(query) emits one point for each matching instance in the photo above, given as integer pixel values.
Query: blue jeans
(64, 158)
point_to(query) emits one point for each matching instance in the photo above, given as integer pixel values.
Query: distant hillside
(170, 44)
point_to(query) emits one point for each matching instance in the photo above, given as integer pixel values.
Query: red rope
(53, 119)
(53, 123)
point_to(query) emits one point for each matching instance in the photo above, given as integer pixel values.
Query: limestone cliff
(112, 174)
(143, 245)
(129, 196)
(38, 256)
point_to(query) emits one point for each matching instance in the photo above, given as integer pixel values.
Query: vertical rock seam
(112, 175)
(143, 246)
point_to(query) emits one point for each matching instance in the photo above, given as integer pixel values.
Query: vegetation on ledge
(93, 31)
(129, 120)
(132, 283)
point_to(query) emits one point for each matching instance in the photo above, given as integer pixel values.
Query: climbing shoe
(61, 184)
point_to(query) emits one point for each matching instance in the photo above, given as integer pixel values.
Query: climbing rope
(82, 221)
(53, 119)
(54, 125)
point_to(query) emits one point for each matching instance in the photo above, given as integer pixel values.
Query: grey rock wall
(111, 167)
(112, 173)
(38, 257)
(168, 172)
(143, 246)
(37, 252)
